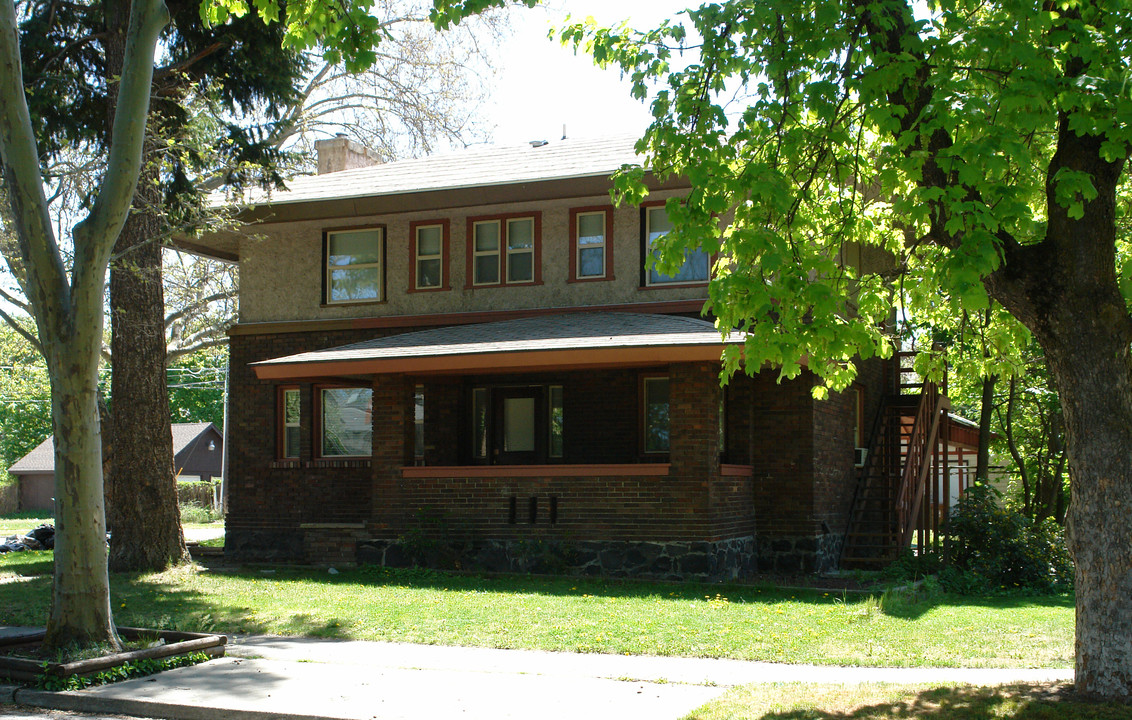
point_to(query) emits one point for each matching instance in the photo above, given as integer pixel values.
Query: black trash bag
(43, 532)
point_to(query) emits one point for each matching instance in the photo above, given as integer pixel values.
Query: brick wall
(800, 452)
(834, 420)
(783, 454)
(270, 499)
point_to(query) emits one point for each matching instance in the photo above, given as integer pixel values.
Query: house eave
(493, 362)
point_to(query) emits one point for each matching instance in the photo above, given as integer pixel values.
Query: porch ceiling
(564, 342)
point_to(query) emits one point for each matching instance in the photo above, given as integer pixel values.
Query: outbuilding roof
(565, 342)
(42, 458)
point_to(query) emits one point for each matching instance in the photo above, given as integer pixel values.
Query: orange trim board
(663, 307)
(494, 362)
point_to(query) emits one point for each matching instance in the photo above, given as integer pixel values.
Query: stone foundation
(720, 560)
(806, 554)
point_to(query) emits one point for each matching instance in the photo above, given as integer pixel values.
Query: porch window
(654, 225)
(429, 248)
(504, 250)
(289, 423)
(355, 265)
(346, 422)
(418, 425)
(479, 423)
(556, 434)
(591, 248)
(655, 412)
(722, 422)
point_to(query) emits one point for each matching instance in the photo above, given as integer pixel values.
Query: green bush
(991, 549)
(194, 512)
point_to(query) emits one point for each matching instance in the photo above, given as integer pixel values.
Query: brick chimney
(342, 153)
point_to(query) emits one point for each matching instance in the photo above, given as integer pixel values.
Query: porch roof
(568, 341)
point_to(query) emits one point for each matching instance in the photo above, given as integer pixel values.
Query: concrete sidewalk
(279, 678)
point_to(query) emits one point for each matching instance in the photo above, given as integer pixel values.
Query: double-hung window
(654, 225)
(591, 246)
(429, 248)
(355, 265)
(504, 250)
(289, 424)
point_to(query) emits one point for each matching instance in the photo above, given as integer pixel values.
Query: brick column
(693, 417)
(392, 450)
(442, 422)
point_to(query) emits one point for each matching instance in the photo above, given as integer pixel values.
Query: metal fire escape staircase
(905, 457)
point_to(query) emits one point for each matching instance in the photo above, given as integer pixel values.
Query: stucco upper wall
(281, 267)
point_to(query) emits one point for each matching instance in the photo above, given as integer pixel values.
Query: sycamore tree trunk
(67, 305)
(142, 512)
(80, 600)
(1065, 291)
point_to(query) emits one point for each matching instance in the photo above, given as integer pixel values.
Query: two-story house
(470, 352)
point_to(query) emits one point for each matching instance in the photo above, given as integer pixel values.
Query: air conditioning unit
(859, 457)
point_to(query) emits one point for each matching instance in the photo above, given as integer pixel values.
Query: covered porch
(594, 442)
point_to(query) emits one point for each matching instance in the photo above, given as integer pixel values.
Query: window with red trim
(591, 243)
(655, 225)
(505, 250)
(428, 249)
(345, 422)
(289, 427)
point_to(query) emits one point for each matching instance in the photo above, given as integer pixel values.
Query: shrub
(194, 512)
(990, 548)
(201, 493)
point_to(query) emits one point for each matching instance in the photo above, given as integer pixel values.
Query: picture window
(355, 265)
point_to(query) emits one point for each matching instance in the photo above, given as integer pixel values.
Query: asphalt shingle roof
(568, 331)
(42, 458)
(472, 167)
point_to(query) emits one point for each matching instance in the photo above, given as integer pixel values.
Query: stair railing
(918, 459)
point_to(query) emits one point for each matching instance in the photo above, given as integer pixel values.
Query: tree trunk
(982, 461)
(80, 601)
(143, 514)
(1065, 291)
(1098, 531)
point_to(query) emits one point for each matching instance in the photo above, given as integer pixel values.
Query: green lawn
(20, 523)
(894, 702)
(588, 616)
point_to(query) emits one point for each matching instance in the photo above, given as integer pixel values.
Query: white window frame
(437, 256)
(513, 252)
(497, 253)
(578, 246)
(286, 424)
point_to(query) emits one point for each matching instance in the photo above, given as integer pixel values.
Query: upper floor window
(655, 224)
(429, 250)
(355, 265)
(591, 246)
(504, 250)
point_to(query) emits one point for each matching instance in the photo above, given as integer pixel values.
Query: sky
(543, 85)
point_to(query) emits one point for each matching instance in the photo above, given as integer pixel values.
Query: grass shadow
(1043, 701)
